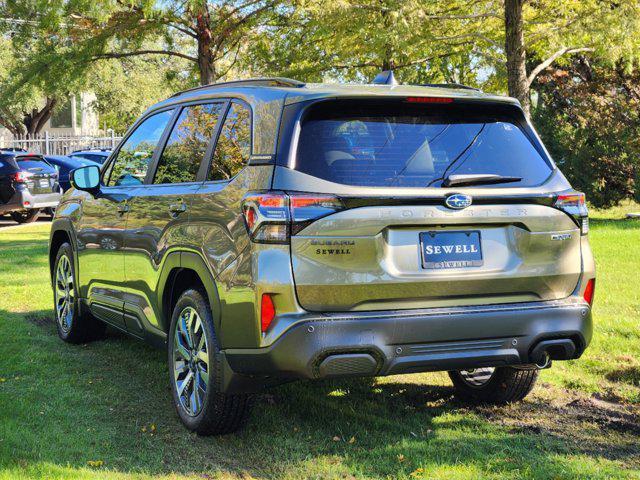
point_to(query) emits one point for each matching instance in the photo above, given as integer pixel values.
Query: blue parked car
(96, 155)
(65, 164)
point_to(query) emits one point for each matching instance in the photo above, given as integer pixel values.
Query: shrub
(589, 118)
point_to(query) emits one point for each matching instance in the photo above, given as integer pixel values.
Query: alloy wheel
(190, 361)
(65, 294)
(478, 376)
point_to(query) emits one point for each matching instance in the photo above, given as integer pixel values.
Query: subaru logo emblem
(458, 201)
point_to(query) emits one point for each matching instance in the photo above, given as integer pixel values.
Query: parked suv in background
(98, 155)
(269, 230)
(28, 184)
(64, 165)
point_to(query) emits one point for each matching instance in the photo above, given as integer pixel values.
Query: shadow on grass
(110, 401)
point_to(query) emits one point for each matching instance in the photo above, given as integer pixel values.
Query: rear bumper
(23, 199)
(409, 341)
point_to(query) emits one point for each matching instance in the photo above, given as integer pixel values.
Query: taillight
(305, 208)
(575, 206)
(21, 176)
(589, 291)
(273, 217)
(267, 312)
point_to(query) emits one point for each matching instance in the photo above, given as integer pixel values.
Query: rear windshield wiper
(477, 179)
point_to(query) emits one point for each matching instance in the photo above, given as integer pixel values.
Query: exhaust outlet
(544, 361)
(547, 350)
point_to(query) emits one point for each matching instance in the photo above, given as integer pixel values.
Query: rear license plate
(450, 249)
(44, 183)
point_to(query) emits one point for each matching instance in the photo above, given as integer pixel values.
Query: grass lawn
(103, 410)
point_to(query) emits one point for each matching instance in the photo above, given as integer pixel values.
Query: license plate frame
(465, 249)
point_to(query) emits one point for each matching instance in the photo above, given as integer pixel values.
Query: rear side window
(188, 144)
(234, 144)
(132, 162)
(416, 146)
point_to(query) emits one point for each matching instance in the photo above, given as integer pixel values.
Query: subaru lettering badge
(458, 201)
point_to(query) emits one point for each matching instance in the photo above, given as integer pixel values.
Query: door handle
(123, 208)
(177, 208)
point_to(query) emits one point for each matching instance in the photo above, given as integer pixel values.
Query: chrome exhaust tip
(544, 361)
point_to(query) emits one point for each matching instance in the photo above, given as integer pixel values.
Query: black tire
(78, 326)
(25, 216)
(505, 385)
(219, 413)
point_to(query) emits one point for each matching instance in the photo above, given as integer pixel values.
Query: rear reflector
(429, 99)
(267, 312)
(589, 291)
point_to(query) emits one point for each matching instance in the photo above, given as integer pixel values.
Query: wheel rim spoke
(181, 349)
(204, 376)
(183, 384)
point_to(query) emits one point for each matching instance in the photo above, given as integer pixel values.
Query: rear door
(160, 211)
(399, 243)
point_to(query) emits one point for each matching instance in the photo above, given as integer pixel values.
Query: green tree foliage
(126, 87)
(589, 118)
(421, 40)
(209, 34)
(541, 33)
(27, 104)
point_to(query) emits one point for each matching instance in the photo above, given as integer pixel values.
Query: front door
(102, 229)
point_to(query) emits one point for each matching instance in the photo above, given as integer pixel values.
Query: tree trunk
(35, 121)
(516, 55)
(205, 46)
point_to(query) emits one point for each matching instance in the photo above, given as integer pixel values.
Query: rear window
(35, 166)
(408, 145)
(90, 156)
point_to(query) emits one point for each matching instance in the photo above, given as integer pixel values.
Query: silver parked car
(270, 230)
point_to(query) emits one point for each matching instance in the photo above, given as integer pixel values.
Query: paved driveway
(6, 221)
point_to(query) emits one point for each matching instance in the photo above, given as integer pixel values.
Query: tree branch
(557, 54)
(143, 52)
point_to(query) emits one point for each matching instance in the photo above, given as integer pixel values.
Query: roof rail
(450, 85)
(261, 82)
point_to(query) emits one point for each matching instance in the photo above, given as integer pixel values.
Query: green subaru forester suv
(268, 230)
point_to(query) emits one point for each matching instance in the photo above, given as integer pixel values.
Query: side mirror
(86, 178)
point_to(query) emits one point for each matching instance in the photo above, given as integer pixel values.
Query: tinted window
(35, 166)
(411, 147)
(188, 144)
(132, 161)
(90, 156)
(234, 144)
